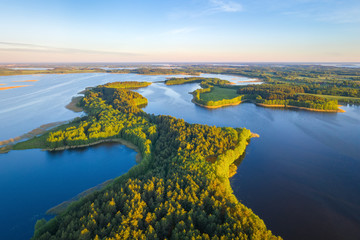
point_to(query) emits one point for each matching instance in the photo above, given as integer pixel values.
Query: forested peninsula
(179, 190)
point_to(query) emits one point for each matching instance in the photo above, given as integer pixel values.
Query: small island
(216, 93)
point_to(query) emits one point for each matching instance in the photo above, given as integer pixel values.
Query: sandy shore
(74, 104)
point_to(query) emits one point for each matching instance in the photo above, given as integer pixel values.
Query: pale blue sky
(179, 30)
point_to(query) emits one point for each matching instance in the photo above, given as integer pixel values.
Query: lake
(301, 176)
(33, 181)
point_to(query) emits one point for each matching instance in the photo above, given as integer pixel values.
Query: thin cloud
(26, 47)
(181, 31)
(225, 6)
(336, 16)
(325, 11)
(210, 7)
(341, 16)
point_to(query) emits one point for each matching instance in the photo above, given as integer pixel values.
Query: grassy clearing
(219, 93)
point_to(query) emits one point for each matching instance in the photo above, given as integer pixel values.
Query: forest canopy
(180, 190)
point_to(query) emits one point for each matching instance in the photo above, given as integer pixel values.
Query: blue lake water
(33, 181)
(301, 176)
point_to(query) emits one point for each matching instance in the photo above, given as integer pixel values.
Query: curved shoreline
(60, 208)
(74, 104)
(218, 106)
(124, 142)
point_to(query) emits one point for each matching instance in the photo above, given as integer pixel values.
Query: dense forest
(180, 190)
(285, 94)
(315, 79)
(127, 84)
(179, 81)
(280, 94)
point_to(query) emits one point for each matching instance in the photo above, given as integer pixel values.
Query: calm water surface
(32, 181)
(301, 176)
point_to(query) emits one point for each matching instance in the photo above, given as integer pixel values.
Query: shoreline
(58, 209)
(5, 145)
(268, 106)
(124, 142)
(301, 108)
(74, 104)
(214, 107)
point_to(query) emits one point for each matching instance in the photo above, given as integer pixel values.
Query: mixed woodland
(180, 190)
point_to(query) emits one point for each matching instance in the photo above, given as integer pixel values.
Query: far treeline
(336, 83)
(127, 84)
(339, 82)
(180, 190)
(344, 83)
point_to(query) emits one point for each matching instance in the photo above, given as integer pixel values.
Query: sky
(179, 31)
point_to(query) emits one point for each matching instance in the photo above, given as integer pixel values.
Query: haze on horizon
(180, 31)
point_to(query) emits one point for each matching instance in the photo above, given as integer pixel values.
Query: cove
(32, 181)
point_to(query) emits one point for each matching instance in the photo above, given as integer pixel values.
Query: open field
(219, 93)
